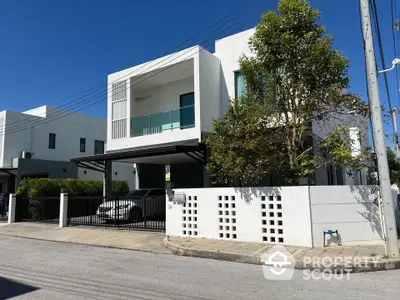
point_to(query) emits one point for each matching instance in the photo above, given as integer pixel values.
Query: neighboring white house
(160, 111)
(40, 143)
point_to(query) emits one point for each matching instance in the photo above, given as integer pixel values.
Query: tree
(294, 80)
(394, 166)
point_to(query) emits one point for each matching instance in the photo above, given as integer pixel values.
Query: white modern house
(40, 143)
(160, 111)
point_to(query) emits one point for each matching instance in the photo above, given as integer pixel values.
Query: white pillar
(63, 210)
(11, 208)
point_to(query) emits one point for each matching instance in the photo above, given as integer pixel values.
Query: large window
(52, 141)
(82, 145)
(98, 147)
(186, 112)
(240, 84)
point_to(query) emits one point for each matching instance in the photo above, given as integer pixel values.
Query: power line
(66, 113)
(393, 9)
(104, 93)
(381, 50)
(69, 105)
(374, 11)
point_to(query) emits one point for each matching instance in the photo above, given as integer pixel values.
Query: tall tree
(394, 166)
(295, 81)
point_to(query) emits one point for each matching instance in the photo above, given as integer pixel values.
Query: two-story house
(160, 111)
(40, 143)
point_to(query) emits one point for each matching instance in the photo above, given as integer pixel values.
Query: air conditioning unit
(27, 154)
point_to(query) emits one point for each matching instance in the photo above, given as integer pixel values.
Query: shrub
(46, 187)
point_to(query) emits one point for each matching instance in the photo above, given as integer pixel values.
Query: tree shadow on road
(10, 288)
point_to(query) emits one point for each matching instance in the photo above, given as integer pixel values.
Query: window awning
(161, 154)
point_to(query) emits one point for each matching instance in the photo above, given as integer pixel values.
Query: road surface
(32, 269)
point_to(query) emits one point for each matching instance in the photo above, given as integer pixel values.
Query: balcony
(175, 119)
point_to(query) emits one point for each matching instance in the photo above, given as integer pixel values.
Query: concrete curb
(226, 256)
(84, 244)
(380, 265)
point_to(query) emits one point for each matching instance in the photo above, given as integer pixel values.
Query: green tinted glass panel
(160, 122)
(140, 125)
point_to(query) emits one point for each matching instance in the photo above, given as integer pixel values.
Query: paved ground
(127, 239)
(33, 269)
(355, 257)
(205, 248)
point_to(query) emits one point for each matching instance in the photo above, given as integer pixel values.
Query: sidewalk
(362, 258)
(113, 238)
(350, 258)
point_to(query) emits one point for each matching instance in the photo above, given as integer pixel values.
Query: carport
(165, 155)
(7, 179)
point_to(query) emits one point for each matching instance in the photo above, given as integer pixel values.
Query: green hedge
(46, 187)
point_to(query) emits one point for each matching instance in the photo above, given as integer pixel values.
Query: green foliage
(294, 79)
(394, 166)
(35, 187)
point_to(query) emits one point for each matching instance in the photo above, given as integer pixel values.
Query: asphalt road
(32, 269)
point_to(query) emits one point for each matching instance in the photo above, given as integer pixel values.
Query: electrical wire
(98, 90)
(394, 13)
(374, 13)
(66, 113)
(105, 93)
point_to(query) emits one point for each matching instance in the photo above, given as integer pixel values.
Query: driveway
(32, 269)
(127, 239)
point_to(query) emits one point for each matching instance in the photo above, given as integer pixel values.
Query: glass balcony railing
(164, 121)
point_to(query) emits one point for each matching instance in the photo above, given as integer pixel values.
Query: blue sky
(52, 51)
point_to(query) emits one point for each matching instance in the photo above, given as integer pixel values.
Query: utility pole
(379, 137)
(396, 135)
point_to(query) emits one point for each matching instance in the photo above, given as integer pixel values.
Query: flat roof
(8, 171)
(131, 153)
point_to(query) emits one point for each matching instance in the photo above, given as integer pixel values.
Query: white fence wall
(295, 216)
(271, 215)
(349, 209)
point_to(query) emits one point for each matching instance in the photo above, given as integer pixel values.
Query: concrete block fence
(296, 216)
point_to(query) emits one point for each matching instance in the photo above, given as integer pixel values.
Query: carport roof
(8, 171)
(96, 162)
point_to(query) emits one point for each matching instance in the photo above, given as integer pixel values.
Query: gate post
(63, 210)
(11, 208)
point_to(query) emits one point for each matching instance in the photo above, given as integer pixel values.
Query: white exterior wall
(167, 136)
(229, 50)
(348, 209)
(120, 171)
(17, 140)
(161, 98)
(321, 130)
(213, 85)
(210, 91)
(306, 212)
(2, 135)
(68, 129)
(237, 214)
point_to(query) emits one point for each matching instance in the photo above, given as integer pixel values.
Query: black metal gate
(38, 209)
(147, 213)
